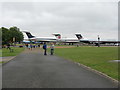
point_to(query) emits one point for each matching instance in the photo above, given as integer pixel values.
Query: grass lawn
(94, 57)
(6, 52)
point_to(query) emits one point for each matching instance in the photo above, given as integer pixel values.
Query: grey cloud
(43, 19)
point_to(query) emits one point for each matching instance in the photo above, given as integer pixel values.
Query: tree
(15, 33)
(5, 35)
(9, 34)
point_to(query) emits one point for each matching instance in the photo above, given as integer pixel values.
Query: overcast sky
(44, 18)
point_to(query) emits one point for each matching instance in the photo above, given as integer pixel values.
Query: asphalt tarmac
(31, 69)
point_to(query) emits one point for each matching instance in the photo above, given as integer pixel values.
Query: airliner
(41, 39)
(68, 40)
(97, 42)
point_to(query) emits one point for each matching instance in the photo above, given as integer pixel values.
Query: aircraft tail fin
(79, 36)
(29, 34)
(57, 35)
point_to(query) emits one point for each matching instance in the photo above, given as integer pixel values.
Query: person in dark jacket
(52, 48)
(45, 48)
(8, 46)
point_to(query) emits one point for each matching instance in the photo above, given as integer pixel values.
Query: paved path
(6, 59)
(31, 69)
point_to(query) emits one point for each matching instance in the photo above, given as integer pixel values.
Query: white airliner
(41, 39)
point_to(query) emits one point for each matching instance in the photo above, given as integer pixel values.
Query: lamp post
(98, 41)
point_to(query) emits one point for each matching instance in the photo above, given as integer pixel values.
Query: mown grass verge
(16, 50)
(94, 57)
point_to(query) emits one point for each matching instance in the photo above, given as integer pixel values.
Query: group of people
(30, 46)
(51, 48)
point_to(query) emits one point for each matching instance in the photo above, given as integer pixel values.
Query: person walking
(52, 49)
(39, 45)
(26, 45)
(45, 48)
(29, 46)
(8, 46)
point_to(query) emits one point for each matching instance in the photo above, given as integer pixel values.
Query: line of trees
(11, 35)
